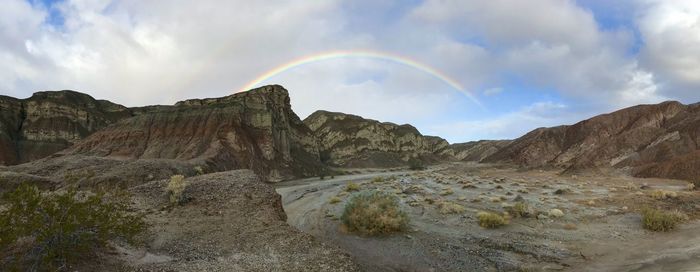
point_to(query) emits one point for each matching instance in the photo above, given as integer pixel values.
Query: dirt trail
(606, 236)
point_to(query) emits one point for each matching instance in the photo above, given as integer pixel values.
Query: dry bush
(176, 188)
(520, 209)
(662, 194)
(690, 186)
(378, 180)
(49, 232)
(199, 170)
(491, 220)
(659, 220)
(570, 226)
(334, 200)
(446, 192)
(447, 207)
(373, 213)
(351, 187)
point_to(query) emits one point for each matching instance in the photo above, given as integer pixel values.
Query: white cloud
(671, 32)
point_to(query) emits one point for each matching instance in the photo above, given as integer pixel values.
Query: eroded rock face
(255, 130)
(477, 150)
(353, 141)
(652, 140)
(50, 121)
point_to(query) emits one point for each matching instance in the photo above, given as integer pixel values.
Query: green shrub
(373, 213)
(490, 220)
(51, 231)
(658, 220)
(176, 188)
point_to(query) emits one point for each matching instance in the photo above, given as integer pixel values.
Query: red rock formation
(653, 140)
(256, 130)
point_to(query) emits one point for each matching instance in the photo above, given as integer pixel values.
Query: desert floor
(600, 229)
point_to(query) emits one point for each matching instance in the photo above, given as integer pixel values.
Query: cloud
(550, 44)
(493, 91)
(671, 31)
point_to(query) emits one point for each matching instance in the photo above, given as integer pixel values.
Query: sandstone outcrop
(50, 121)
(254, 130)
(658, 140)
(352, 141)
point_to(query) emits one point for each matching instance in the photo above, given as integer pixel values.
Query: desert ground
(599, 227)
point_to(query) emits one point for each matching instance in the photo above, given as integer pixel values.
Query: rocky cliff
(255, 130)
(658, 140)
(50, 121)
(352, 141)
(477, 150)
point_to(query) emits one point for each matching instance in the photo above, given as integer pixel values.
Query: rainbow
(359, 54)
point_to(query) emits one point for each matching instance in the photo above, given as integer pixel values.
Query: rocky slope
(352, 141)
(232, 222)
(477, 150)
(255, 130)
(658, 140)
(50, 121)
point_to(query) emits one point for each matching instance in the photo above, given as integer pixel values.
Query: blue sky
(529, 63)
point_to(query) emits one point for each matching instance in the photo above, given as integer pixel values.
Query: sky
(460, 69)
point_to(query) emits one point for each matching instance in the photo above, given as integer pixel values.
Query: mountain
(50, 121)
(477, 150)
(255, 130)
(352, 141)
(658, 140)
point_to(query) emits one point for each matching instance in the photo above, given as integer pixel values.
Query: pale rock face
(50, 121)
(349, 140)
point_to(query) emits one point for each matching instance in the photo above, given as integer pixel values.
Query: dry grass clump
(351, 186)
(662, 194)
(491, 220)
(447, 207)
(520, 209)
(378, 180)
(659, 220)
(373, 213)
(334, 200)
(447, 191)
(690, 186)
(175, 189)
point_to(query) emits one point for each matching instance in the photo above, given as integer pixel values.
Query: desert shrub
(415, 164)
(659, 220)
(378, 180)
(199, 170)
(447, 207)
(176, 188)
(491, 220)
(661, 194)
(51, 231)
(373, 213)
(520, 209)
(446, 192)
(351, 186)
(334, 200)
(690, 186)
